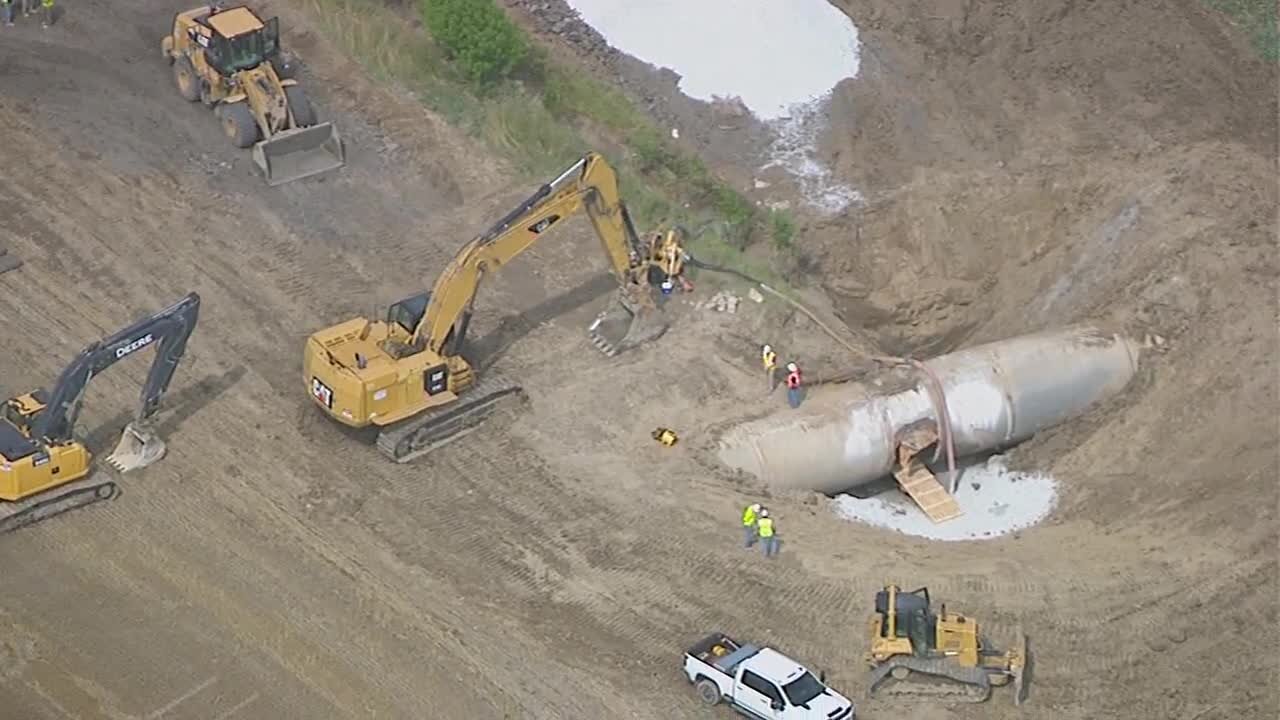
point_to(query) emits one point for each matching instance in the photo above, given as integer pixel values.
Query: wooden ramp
(914, 477)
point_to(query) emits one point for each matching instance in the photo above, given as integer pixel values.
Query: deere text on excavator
(391, 373)
(231, 60)
(44, 469)
(916, 654)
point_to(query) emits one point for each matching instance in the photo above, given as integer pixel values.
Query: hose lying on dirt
(936, 393)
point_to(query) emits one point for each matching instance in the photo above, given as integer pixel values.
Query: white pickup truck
(760, 682)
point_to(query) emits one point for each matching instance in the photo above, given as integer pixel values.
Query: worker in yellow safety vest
(46, 7)
(749, 523)
(769, 359)
(768, 539)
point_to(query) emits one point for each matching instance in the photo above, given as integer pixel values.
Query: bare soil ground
(555, 564)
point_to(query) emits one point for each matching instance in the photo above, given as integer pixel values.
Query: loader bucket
(626, 325)
(139, 446)
(298, 153)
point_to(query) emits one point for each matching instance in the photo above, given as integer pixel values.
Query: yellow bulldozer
(231, 60)
(407, 374)
(916, 654)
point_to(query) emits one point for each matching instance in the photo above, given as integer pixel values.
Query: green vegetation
(481, 40)
(782, 229)
(1258, 19)
(481, 72)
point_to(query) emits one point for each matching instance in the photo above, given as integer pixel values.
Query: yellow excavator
(407, 375)
(231, 60)
(919, 655)
(44, 469)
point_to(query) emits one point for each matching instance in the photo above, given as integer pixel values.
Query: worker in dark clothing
(6, 12)
(794, 382)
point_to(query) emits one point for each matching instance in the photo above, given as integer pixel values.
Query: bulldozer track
(418, 436)
(929, 679)
(82, 494)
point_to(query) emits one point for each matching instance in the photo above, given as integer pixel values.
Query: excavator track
(928, 679)
(78, 494)
(416, 437)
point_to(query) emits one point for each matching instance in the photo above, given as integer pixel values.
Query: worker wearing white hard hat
(769, 359)
(794, 382)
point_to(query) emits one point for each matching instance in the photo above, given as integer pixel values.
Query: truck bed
(722, 652)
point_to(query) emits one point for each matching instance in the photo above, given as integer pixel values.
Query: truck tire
(708, 692)
(303, 114)
(184, 76)
(238, 124)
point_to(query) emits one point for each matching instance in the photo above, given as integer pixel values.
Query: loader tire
(238, 124)
(708, 692)
(303, 114)
(184, 76)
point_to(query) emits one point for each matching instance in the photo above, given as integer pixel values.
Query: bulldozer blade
(619, 329)
(299, 153)
(1021, 668)
(139, 446)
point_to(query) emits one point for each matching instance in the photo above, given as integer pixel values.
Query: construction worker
(6, 12)
(28, 7)
(770, 360)
(794, 382)
(749, 523)
(47, 18)
(764, 528)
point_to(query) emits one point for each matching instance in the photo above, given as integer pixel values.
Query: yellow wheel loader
(407, 375)
(44, 469)
(230, 60)
(918, 655)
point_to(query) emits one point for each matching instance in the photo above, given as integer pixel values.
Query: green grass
(1258, 19)
(537, 119)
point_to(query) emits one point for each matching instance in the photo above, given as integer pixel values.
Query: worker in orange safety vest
(794, 382)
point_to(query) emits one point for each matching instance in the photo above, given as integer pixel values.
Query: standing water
(781, 57)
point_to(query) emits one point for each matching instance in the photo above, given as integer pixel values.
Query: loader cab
(238, 40)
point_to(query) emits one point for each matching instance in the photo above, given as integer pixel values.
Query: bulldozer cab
(912, 618)
(239, 40)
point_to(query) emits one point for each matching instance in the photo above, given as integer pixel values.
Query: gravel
(996, 501)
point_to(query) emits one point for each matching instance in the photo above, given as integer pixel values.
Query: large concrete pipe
(997, 395)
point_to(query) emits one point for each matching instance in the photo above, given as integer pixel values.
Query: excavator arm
(170, 328)
(588, 184)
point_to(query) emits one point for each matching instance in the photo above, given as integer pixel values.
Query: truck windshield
(803, 689)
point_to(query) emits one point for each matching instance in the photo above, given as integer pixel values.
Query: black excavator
(44, 469)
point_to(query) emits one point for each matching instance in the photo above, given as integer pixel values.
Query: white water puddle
(781, 57)
(996, 501)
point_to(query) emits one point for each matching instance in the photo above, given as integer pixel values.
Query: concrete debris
(755, 295)
(723, 301)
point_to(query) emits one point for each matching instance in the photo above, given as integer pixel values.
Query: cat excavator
(407, 374)
(44, 469)
(916, 654)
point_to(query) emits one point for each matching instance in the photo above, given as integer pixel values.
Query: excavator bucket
(299, 153)
(627, 324)
(139, 446)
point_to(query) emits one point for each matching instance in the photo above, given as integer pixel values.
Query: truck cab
(760, 682)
